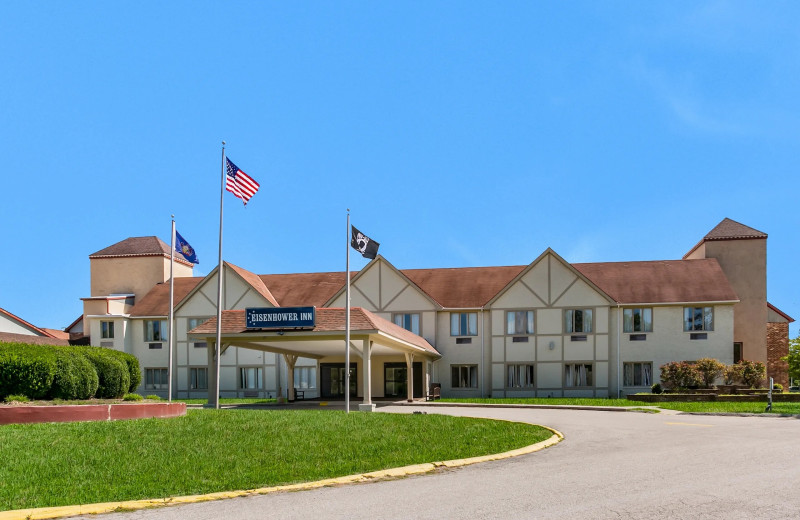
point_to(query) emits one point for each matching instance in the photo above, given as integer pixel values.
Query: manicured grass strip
(555, 401)
(216, 450)
(230, 400)
(732, 407)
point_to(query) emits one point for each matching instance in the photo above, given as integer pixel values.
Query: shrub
(709, 370)
(75, 376)
(132, 362)
(26, 370)
(733, 374)
(753, 373)
(113, 375)
(132, 397)
(778, 387)
(152, 397)
(680, 375)
(656, 389)
(16, 399)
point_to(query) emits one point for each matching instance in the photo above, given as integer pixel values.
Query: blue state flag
(183, 247)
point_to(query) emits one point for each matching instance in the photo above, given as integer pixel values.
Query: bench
(435, 392)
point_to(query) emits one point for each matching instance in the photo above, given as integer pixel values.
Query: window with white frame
(519, 322)
(519, 376)
(194, 322)
(463, 323)
(107, 329)
(409, 321)
(198, 378)
(637, 374)
(251, 378)
(577, 375)
(155, 330)
(155, 379)
(305, 378)
(698, 318)
(464, 376)
(637, 320)
(578, 320)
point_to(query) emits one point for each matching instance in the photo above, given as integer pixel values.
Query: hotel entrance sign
(280, 317)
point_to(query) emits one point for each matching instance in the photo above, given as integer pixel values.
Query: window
(578, 320)
(107, 329)
(194, 322)
(519, 376)
(698, 318)
(637, 374)
(464, 376)
(519, 322)
(463, 323)
(200, 344)
(250, 378)
(155, 379)
(407, 321)
(154, 330)
(305, 378)
(198, 378)
(578, 374)
(637, 320)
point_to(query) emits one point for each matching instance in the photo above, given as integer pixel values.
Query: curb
(385, 474)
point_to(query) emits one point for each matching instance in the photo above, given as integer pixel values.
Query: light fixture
(552, 345)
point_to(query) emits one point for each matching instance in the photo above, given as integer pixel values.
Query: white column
(366, 359)
(410, 376)
(212, 373)
(290, 359)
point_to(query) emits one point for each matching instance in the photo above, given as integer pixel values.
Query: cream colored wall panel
(250, 357)
(516, 296)
(601, 319)
(229, 357)
(498, 374)
(197, 356)
(538, 280)
(560, 279)
(180, 350)
(409, 300)
(550, 321)
(498, 322)
(543, 350)
(234, 288)
(581, 295)
(270, 381)
(498, 349)
(578, 350)
(183, 379)
(428, 327)
(339, 301)
(209, 287)
(228, 380)
(548, 375)
(601, 374)
(357, 299)
(601, 347)
(368, 283)
(516, 352)
(198, 305)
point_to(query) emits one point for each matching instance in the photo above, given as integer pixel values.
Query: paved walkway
(610, 465)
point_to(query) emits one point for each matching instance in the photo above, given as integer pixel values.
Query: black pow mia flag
(363, 244)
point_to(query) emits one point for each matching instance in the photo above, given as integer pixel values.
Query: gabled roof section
(667, 281)
(139, 246)
(731, 230)
(462, 287)
(57, 334)
(8, 337)
(156, 301)
(255, 282)
(25, 324)
(788, 318)
(293, 290)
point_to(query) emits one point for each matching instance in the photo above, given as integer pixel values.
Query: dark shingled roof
(463, 287)
(730, 229)
(328, 319)
(138, 246)
(156, 301)
(9, 337)
(666, 281)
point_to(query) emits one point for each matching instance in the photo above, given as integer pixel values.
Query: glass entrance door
(396, 379)
(333, 380)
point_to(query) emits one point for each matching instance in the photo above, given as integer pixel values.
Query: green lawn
(215, 450)
(735, 407)
(231, 400)
(555, 401)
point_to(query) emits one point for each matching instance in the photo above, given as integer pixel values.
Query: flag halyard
(239, 183)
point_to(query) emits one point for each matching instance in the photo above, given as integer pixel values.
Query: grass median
(216, 450)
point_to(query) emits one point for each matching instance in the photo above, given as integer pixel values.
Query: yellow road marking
(689, 424)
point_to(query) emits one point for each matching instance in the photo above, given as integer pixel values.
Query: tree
(709, 370)
(793, 358)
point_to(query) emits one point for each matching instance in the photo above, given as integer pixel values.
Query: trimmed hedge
(52, 372)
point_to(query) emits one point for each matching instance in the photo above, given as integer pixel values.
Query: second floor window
(578, 320)
(155, 330)
(637, 320)
(698, 318)
(519, 322)
(409, 322)
(106, 329)
(463, 323)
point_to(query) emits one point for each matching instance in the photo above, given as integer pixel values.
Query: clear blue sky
(458, 133)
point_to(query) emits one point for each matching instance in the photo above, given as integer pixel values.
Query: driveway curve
(610, 465)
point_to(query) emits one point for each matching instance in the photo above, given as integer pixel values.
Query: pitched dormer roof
(731, 230)
(139, 246)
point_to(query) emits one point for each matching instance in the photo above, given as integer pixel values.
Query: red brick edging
(89, 412)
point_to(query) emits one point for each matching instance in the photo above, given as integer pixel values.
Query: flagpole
(171, 307)
(217, 345)
(347, 324)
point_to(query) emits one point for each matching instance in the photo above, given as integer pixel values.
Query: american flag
(239, 183)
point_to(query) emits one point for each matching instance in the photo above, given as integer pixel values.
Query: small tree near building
(793, 359)
(709, 370)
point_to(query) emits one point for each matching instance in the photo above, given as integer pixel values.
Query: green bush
(152, 397)
(680, 375)
(17, 399)
(132, 397)
(656, 389)
(75, 377)
(778, 387)
(132, 362)
(113, 375)
(26, 370)
(709, 370)
(733, 374)
(753, 373)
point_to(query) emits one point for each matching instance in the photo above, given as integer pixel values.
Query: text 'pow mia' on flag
(363, 244)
